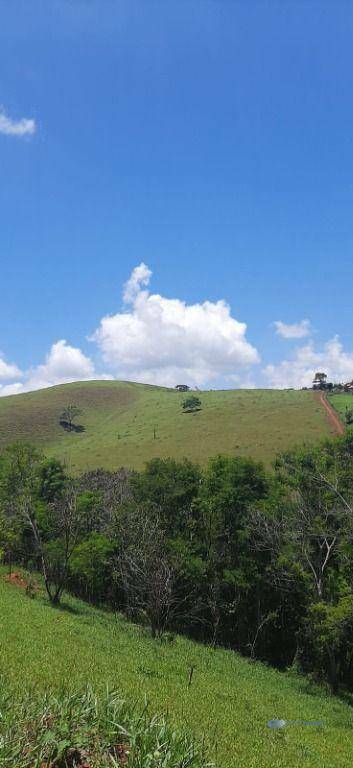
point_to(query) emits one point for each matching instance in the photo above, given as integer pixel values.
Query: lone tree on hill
(320, 381)
(68, 416)
(191, 404)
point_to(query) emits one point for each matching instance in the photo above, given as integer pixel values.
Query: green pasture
(127, 424)
(228, 702)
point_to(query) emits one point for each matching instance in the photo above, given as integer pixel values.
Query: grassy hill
(229, 701)
(119, 420)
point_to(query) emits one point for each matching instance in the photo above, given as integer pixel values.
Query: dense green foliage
(228, 703)
(124, 424)
(233, 555)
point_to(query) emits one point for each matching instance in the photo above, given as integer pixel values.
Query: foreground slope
(229, 701)
(126, 424)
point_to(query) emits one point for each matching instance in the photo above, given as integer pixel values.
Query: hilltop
(125, 424)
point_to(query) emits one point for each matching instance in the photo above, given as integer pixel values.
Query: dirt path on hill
(333, 417)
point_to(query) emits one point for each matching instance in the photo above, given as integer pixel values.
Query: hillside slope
(120, 420)
(229, 702)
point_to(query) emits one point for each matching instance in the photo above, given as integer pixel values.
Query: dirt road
(334, 419)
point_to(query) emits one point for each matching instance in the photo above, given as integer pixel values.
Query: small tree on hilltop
(68, 416)
(191, 404)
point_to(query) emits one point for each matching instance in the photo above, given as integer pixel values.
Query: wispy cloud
(139, 278)
(24, 127)
(295, 331)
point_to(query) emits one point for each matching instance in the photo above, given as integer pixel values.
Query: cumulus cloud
(295, 331)
(23, 127)
(298, 371)
(166, 341)
(62, 365)
(8, 371)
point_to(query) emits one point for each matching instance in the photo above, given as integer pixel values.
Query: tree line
(253, 560)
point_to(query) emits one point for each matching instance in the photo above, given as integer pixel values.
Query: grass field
(340, 403)
(229, 701)
(120, 419)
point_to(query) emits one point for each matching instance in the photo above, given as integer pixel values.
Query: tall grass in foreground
(83, 730)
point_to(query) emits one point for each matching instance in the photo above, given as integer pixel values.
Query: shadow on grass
(347, 697)
(64, 607)
(310, 687)
(71, 427)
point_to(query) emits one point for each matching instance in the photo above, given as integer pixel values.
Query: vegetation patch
(83, 730)
(343, 404)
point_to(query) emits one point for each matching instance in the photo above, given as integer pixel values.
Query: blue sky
(212, 141)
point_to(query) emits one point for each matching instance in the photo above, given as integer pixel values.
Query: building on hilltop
(182, 387)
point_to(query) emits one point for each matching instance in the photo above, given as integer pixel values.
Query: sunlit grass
(128, 424)
(228, 703)
(341, 403)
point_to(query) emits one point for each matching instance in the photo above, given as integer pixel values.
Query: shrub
(191, 404)
(349, 416)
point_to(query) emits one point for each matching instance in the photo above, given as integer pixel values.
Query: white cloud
(24, 127)
(299, 370)
(63, 364)
(295, 331)
(140, 277)
(8, 370)
(11, 389)
(165, 341)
